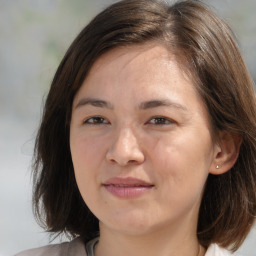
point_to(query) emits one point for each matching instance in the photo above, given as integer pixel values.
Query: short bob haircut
(206, 49)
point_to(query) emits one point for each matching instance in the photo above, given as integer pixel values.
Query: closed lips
(127, 188)
(127, 182)
(125, 185)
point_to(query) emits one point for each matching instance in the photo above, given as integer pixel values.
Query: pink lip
(127, 187)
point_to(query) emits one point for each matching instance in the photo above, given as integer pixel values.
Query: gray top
(77, 248)
(90, 246)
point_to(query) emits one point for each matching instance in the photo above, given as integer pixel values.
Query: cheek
(83, 150)
(180, 178)
(166, 154)
(182, 163)
(191, 149)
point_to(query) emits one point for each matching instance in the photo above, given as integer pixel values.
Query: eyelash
(99, 120)
(163, 120)
(95, 120)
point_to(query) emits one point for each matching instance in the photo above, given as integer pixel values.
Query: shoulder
(215, 250)
(73, 248)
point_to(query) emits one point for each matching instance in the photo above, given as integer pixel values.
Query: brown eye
(96, 120)
(160, 121)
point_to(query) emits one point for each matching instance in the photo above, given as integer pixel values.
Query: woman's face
(140, 142)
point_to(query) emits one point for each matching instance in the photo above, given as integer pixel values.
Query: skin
(168, 145)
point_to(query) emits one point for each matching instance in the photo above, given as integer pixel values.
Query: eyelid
(100, 118)
(167, 121)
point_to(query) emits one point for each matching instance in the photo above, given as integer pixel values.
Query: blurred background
(34, 35)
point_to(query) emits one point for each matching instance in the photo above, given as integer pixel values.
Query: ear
(226, 152)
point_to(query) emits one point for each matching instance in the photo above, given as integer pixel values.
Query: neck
(160, 242)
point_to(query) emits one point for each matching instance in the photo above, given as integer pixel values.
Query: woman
(147, 144)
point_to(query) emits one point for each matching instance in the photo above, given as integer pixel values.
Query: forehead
(139, 54)
(147, 68)
(150, 57)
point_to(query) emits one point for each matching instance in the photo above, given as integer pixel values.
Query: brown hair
(205, 46)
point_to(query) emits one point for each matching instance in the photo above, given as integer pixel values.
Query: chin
(131, 224)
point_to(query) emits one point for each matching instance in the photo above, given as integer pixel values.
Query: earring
(217, 166)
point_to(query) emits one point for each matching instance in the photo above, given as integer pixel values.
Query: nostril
(132, 161)
(112, 160)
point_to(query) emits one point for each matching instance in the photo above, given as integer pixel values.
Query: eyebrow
(144, 105)
(161, 103)
(94, 102)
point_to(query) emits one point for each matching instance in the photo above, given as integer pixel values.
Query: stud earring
(217, 167)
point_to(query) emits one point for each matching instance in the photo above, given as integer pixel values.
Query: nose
(125, 149)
